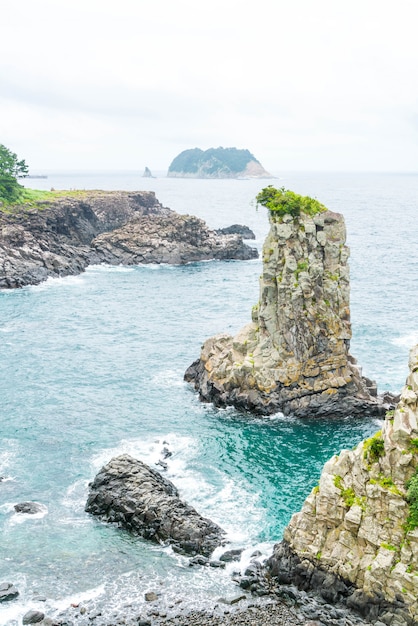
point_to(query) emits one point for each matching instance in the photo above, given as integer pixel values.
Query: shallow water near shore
(92, 366)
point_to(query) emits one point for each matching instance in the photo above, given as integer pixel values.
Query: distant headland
(216, 163)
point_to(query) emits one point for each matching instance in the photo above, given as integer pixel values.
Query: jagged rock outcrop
(294, 356)
(237, 229)
(63, 235)
(354, 540)
(175, 239)
(147, 173)
(139, 499)
(216, 163)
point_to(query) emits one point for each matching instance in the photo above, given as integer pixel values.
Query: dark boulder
(33, 617)
(8, 592)
(237, 229)
(139, 499)
(29, 507)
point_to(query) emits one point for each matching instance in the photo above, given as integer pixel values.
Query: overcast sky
(124, 84)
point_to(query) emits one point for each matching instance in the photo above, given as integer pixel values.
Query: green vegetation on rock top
(285, 202)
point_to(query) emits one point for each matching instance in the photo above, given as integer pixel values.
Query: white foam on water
(79, 597)
(75, 496)
(52, 282)
(95, 269)
(406, 341)
(168, 378)
(7, 455)
(229, 504)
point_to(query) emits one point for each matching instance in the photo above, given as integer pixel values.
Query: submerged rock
(31, 508)
(139, 499)
(294, 355)
(355, 539)
(62, 235)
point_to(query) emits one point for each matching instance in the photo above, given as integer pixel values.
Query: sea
(92, 366)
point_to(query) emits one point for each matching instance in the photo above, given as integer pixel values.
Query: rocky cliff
(294, 355)
(66, 232)
(216, 163)
(356, 538)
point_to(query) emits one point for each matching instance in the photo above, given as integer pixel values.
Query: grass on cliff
(285, 202)
(30, 198)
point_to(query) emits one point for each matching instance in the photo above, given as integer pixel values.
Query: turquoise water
(92, 366)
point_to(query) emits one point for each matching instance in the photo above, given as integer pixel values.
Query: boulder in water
(139, 499)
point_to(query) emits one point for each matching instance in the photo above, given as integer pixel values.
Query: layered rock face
(354, 539)
(62, 236)
(139, 499)
(294, 356)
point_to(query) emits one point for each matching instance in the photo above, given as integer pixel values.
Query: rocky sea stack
(216, 163)
(62, 233)
(294, 356)
(355, 541)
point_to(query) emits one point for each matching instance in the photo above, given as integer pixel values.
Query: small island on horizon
(216, 163)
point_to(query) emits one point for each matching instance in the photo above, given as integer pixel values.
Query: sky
(305, 85)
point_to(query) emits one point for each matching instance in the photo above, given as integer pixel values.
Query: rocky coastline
(293, 357)
(65, 234)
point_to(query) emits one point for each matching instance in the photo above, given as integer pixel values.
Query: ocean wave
(96, 269)
(407, 341)
(57, 281)
(228, 503)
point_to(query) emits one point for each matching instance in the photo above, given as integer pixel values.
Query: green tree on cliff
(10, 170)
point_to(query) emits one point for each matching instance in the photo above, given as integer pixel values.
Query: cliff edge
(64, 232)
(294, 355)
(356, 538)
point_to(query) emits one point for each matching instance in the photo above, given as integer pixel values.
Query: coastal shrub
(348, 495)
(374, 447)
(285, 202)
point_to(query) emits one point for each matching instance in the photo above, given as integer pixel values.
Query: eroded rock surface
(353, 540)
(139, 499)
(62, 236)
(294, 355)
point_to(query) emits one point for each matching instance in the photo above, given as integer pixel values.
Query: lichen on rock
(294, 354)
(356, 525)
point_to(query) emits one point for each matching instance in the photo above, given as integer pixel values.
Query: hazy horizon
(304, 86)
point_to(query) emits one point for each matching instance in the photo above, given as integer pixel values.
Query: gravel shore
(271, 614)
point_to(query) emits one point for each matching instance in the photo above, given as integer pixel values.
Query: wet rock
(8, 592)
(139, 499)
(231, 555)
(30, 508)
(237, 229)
(151, 596)
(33, 617)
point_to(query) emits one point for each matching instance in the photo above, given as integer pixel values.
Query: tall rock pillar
(294, 355)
